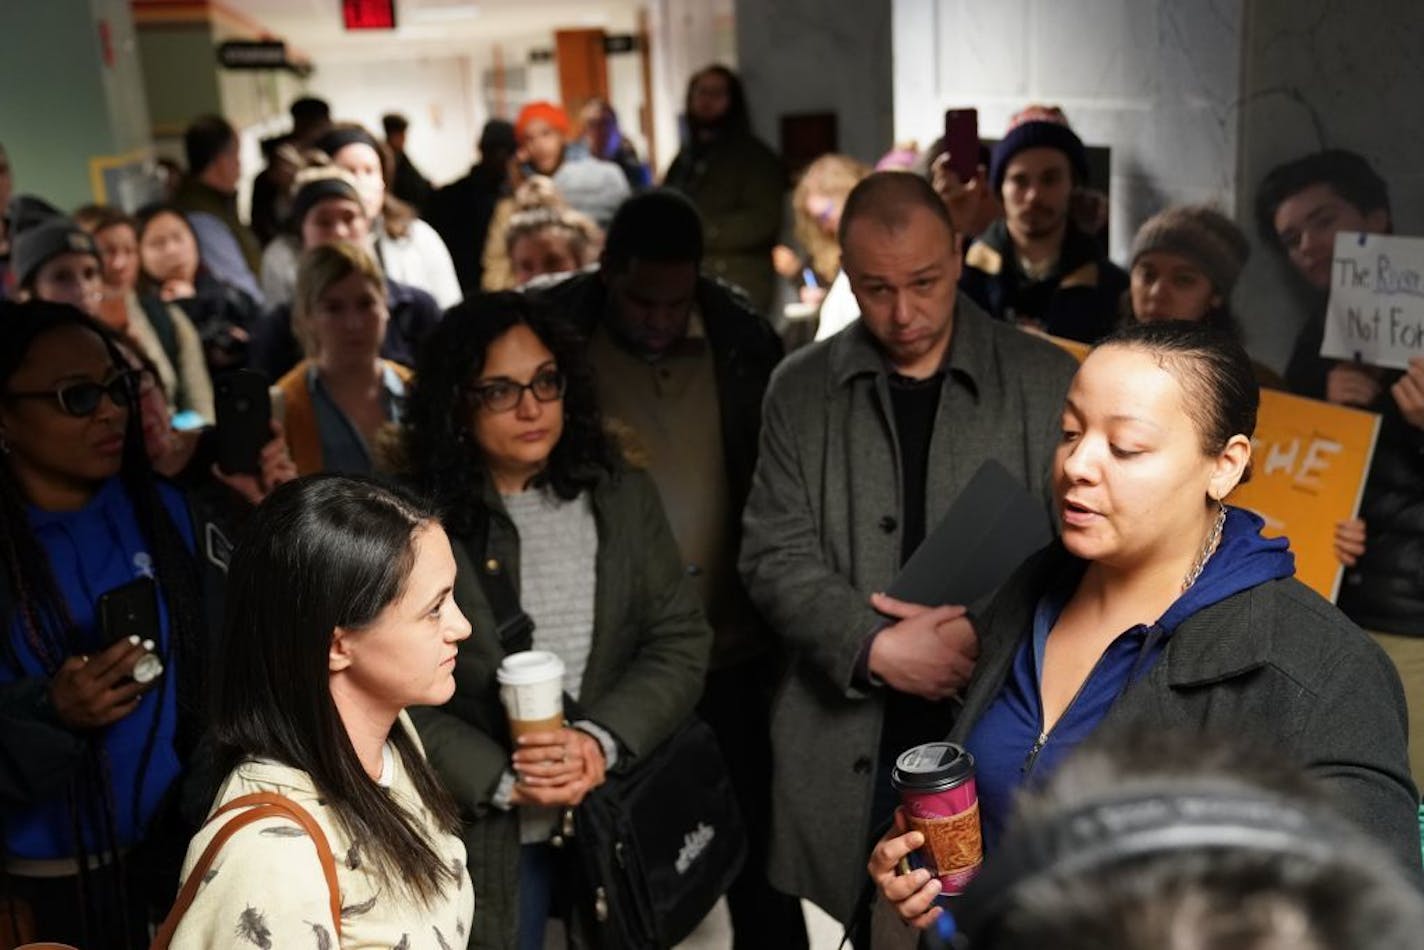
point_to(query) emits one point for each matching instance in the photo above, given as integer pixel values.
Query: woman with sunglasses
(95, 554)
(338, 399)
(502, 430)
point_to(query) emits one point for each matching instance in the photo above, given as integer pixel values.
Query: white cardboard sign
(1376, 313)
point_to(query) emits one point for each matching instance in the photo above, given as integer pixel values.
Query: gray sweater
(558, 549)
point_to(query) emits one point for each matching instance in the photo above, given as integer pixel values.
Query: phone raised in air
(244, 409)
(961, 140)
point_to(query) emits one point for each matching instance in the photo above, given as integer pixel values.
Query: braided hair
(42, 620)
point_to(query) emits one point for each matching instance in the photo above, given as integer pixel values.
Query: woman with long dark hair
(174, 272)
(93, 548)
(340, 616)
(503, 432)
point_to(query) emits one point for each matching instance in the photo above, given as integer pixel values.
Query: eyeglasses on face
(502, 395)
(82, 399)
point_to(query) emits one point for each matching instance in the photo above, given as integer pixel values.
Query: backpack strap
(259, 805)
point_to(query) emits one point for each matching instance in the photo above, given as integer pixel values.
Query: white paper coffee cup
(531, 686)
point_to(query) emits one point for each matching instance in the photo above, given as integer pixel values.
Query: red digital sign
(369, 14)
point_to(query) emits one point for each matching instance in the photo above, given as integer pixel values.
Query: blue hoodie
(92, 550)
(1008, 743)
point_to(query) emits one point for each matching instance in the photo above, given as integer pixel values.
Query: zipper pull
(1038, 745)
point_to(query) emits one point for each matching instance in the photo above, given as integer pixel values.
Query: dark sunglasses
(502, 395)
(82, 399)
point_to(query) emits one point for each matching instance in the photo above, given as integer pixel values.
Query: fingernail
(135, 639)
(148, 645)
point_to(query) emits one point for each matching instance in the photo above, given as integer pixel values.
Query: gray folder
(992, 527)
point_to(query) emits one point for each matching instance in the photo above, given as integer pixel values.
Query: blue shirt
(1009, 745)
(91, 551)
(343, 449)
(221, 253)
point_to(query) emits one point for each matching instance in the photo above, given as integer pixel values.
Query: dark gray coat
(1277, 662)
(643, 678)
(821, 533)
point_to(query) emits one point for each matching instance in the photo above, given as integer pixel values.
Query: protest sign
(1376, 311)
(1309, 462)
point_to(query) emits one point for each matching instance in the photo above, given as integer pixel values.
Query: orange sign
(1309, 460)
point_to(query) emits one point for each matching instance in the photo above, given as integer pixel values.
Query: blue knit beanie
(1038, 134)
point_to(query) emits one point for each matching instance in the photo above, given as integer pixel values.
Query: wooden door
(583, 66)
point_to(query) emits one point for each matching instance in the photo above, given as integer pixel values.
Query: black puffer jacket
(1384, 592)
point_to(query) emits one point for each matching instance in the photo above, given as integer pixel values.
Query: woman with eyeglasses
(102, 599)
(502, 430)
(338, 399)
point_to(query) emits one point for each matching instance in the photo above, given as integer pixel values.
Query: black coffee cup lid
(934, 766)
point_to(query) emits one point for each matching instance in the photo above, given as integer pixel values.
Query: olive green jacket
(739, 187)
(644, 676)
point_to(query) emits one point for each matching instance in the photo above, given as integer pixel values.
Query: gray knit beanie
(1202, 235)
(38, 245)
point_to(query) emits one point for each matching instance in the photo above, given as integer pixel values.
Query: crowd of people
(554, 371)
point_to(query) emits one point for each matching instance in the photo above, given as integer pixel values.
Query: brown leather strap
(259, 805)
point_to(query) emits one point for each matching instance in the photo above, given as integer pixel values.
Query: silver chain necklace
(1208, 549)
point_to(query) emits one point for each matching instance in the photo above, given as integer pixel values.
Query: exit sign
(369, 14)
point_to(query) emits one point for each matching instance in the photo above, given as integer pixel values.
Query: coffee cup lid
(528, 667)
(934, 766)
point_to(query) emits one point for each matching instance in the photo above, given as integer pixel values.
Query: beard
(1039, 221)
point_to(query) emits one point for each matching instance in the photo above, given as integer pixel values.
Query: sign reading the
(1376, 313)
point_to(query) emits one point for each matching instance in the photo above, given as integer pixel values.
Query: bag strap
(259, 805)
(513, 627)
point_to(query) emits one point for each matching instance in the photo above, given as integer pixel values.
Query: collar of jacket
(1077, 260)
(971, 349)
(1218, 642)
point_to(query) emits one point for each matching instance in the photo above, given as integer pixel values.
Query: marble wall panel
(1320, 74)
(800, 56)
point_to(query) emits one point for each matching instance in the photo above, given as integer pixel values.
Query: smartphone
(130, 610)
(244, 409)
(961, 140)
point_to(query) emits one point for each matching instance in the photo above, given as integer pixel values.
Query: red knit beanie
(542, 111)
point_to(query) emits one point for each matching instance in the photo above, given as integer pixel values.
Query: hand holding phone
(961, 141)
(89, 692)
(244, 409)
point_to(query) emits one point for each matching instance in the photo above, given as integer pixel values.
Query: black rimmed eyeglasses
(502, 395)
(82, 399)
